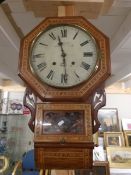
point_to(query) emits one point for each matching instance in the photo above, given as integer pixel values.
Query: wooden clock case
(65, 150)
(63, 146)
(77, 93)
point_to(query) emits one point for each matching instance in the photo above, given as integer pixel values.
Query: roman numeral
(38, 55)
(77, 75)
(85, 65)
(84, 43)
(42, 66)
(43, 44)
(87, 54)
(64, 78)
(52, 36)
(64, 33)
(75, 35)
(50, 74)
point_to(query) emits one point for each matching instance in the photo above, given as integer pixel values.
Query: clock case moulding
(51, 149)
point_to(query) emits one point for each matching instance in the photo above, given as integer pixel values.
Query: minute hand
(61, 46)
(63, 56)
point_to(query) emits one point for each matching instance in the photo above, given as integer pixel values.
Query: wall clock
(64, 61)
(64, 58)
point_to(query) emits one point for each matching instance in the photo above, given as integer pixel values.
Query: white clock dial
(64, 56)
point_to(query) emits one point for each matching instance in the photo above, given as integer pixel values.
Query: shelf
(116, 171)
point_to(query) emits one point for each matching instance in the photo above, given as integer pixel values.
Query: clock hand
(60, 43)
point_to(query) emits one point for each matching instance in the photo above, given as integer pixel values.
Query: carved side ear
(29, 102)
(98, 101)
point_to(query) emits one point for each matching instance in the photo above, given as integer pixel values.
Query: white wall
(120, 101)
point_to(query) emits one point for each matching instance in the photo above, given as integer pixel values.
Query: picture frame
(99, 154)
(4, 164)
(63, 120)
(114, 139)
(127, 135)
(15, 103)
(15, 106)
(119, 157)
(126, 124)
(109, 121)
(99, 168)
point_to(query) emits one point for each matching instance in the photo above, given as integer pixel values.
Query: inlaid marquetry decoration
(63, 123)
(63, 136)
(64, 62)
(64, 58)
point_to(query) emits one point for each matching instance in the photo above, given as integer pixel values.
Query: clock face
(63, 56)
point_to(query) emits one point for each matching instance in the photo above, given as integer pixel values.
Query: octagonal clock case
(64, 58)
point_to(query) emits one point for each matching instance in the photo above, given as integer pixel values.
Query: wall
(120, 101)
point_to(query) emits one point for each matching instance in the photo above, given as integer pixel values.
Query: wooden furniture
(82, 91)
(99, 168)
(64, 138)
(53, 63)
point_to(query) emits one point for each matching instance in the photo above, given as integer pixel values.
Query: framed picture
(126, 124)
(114, 139)
(127, 135)
(99, 153)
(108, 118)
(71, 121)
(99, 168)
(119, 157)
(15, 106)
